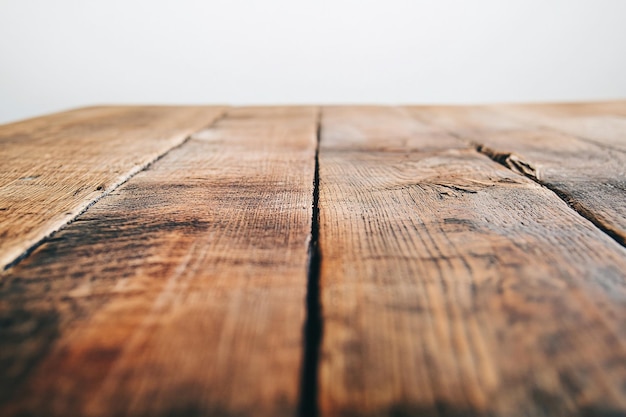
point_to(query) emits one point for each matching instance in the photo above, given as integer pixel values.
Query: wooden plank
(451, 285)
(590, 177)
(180, 293)
(53, 167)
(602, 123)
(381, 128)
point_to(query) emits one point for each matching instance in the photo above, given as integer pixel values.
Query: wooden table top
(314, 261)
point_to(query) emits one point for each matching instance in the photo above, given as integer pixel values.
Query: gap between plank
(515, 164)
(313, 325)
(114, 187)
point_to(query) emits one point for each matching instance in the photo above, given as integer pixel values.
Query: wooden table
(335, 261)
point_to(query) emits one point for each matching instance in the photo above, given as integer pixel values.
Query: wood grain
(602, 123)
(53, 167)
(180, 293)
(590, 177)
(381, 128)
(451, 285)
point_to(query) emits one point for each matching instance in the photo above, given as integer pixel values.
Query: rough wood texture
(601, 123)
(446, 283)
(451, 285)
(180, 293)
(386, 129)
(53, 167)
(589, 176)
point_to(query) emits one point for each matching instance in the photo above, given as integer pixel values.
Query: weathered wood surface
(386, 129)
(180, 293)
(451, 285)
(591, 177)
(53, 167)
(600, 123)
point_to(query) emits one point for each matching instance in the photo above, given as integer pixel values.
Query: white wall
(56, 54)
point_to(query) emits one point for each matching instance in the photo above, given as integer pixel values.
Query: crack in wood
(105, 193)
(516, 164)
(313, 326)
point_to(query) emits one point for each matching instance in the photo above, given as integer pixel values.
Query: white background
(56, 54)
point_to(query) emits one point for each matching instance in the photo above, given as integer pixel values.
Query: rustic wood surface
(590, 174)
(603, 123)
(335, 261)
(178, 293)
(466, 288)
(53, 167)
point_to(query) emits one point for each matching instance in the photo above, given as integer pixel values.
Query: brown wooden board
(53, 167)
(180, 293)
(451, 285)
(589, 176)
(381, 128)
(602, 123)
